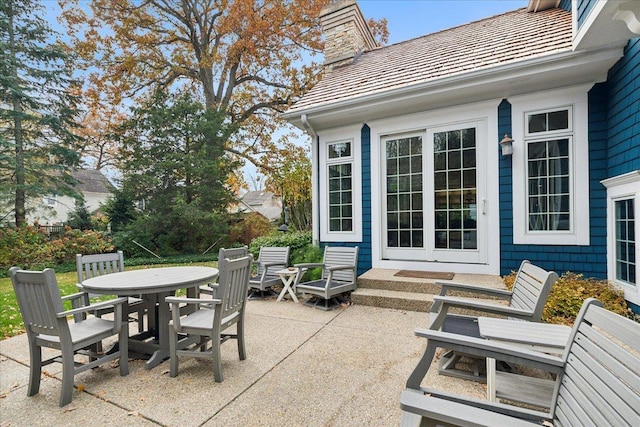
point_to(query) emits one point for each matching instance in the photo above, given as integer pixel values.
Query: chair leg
(216, 358)
(35, 368)
(173, 352)
(242, 353)
(67, 376)
(123, 344)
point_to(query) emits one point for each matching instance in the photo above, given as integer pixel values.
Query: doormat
(425, 274)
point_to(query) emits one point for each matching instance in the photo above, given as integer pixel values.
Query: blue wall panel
(566, 5)
(623, 108)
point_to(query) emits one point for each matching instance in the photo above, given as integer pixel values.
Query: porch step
(382, 288)
(410, 301)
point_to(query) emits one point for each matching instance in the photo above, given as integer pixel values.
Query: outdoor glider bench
(598, 378)
(526, 301)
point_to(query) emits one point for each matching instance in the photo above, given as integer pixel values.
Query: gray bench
(598, 378)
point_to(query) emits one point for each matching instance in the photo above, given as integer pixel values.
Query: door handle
(484, 206)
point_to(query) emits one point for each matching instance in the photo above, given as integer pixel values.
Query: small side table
(537, 336)
(288, 277)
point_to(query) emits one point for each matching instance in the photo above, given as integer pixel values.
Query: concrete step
(410, 301)
(381, 288)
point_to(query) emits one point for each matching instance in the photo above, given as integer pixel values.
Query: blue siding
(584, 7)
(624, 112)
(566, 5)
(364, 253)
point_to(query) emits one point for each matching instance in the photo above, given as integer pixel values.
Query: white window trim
(577, 98)
(346, 134)
(622, 187)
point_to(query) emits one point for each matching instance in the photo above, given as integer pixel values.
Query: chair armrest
(341, 267)
(92, 307)
(78, 295)
(186, 300)
(460, 410)
(209, 289)
(309, 265)
(480, 348)
(274, 264)
(472, 288)
(445, 302)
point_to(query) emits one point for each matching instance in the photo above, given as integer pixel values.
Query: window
(623, 258)
(340, 175)
(548, 145)
(625, 241)
(50, 200)
(551, 168)
(339, 205)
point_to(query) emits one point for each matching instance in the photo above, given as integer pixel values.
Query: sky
(406, 19)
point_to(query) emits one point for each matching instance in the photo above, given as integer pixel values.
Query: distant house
(55, 209)
(406, 148)
(263, 202)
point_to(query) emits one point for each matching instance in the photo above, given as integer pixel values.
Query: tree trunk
(20, 213)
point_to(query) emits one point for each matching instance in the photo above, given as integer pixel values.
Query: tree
(250, 58)
(173, 151)
(37, 109)
(80, 218)
(292, 179)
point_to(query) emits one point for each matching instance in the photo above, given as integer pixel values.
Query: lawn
(10, 319)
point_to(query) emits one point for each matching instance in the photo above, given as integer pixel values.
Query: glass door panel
(404, 198)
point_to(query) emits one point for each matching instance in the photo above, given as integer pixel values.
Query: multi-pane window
(50, 200)
(625, 241)
(340, 175)
(405, 224)
(454, 158)
(548, 140)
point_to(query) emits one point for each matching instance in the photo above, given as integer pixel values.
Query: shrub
(29, 247)
(251, 226)
(570, 291)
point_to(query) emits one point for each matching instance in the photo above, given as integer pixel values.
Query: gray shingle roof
(92, 181)
(494, 41)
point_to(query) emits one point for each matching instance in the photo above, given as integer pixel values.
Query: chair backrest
(531, 289)
(233, 285)
(601, 382)
(333, 256)
(273, 255)
(89, 266)
(39, 301)
(232, 253)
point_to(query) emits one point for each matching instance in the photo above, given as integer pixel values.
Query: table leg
(287, 281)
(491, 379)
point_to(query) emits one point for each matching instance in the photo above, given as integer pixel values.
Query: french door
(433, 202)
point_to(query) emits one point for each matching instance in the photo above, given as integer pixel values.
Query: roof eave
(562, 68)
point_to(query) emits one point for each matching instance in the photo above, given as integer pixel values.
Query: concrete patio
(345, 367)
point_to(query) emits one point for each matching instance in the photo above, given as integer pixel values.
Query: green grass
(10, 319)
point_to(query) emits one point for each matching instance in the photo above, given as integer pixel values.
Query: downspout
(315, 218)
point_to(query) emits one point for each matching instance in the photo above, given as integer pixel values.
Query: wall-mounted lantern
(506, 145)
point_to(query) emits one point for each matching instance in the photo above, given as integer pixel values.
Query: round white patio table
(153, 284)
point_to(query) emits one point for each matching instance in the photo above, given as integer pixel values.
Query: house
(55, 209)
(406, 142)
(263, 202)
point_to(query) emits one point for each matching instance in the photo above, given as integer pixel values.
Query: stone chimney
(345, 31)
